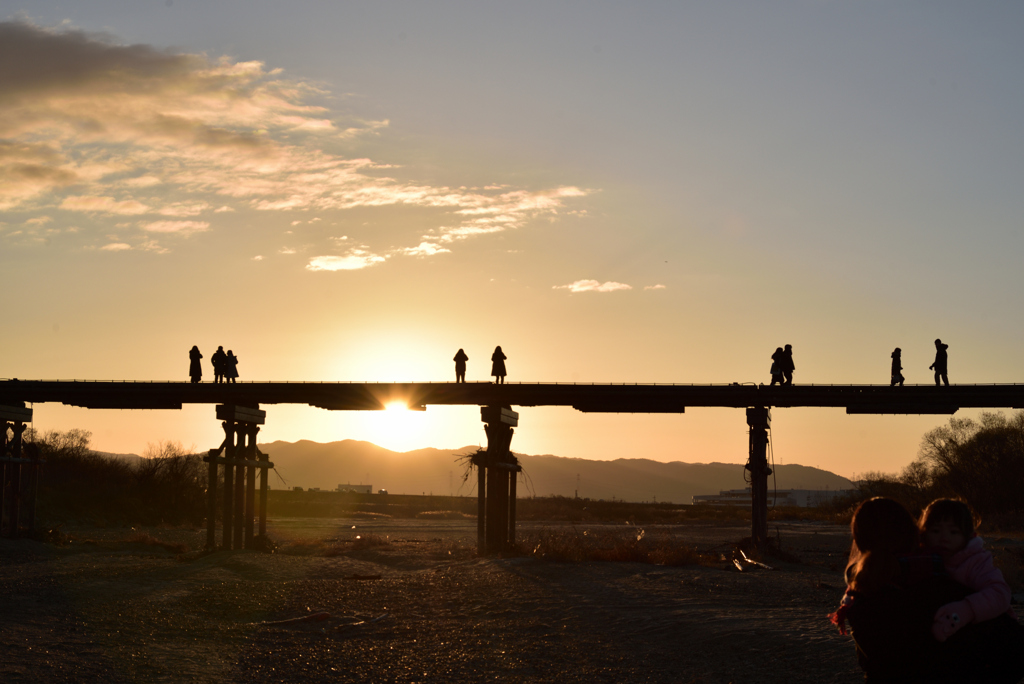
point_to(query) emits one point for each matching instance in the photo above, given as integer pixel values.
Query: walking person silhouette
(787, 364)
(777, 366)
(498, 365)
(460, 366)
(195, 369)
(897, 365)
(939, 366)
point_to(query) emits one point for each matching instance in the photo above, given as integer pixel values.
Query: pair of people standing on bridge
(225, 366)
(497, 366)
(783, 366)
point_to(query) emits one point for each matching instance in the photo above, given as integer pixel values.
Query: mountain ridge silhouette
(446, 471)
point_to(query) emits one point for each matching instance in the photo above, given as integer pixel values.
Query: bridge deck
(613, 398)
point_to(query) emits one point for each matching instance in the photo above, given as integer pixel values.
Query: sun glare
(398, 427)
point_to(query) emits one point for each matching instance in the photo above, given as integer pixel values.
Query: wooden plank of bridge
(239, 518)
(211, 498)
(15, 414)
(3, 473)
(513, 476)
(481, 510)
(264, 474)
(250, 485)
(229, 484)
(14, 479)
(31, 485)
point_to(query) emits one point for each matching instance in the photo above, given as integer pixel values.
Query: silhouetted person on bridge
(940, 362)
(498, 365)
(217, 360)
(230, 367)
(777, 366)
(787, 364)
(195, 369)
(460, 366)
(897, 365)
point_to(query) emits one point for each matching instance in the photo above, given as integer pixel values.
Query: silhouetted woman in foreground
(195, 369)
(894, 590)
(230, 367)
(460, 366)
(498, 365)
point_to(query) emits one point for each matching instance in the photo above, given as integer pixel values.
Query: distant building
(359, 489)
(801, 498)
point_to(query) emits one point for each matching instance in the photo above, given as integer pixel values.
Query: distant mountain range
(441, 471)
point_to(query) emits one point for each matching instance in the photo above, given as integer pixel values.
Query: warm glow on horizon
(351, 196)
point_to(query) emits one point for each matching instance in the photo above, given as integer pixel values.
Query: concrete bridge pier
(240, 459)
(496, 482)
(19, 475)
(759, 420)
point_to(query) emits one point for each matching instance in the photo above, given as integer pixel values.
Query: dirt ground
(420, 608)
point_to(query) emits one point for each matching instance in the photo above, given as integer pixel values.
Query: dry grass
(305, 547)
(635, 546)
(444, 515)
(150, 540)
(330, 548)
(366, 541)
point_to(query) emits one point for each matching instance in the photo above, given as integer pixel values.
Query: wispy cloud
(184, 209)
(104, 205)
(116, 247)
(654, 287)
(180, 227)
(87, 125)
(593, 286)
(353, 261)
(425, 249)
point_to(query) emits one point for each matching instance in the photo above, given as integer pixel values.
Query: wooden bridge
(238, 405)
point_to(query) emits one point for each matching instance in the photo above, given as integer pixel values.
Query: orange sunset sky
(612, 192)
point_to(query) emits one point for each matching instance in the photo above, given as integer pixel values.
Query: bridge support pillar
(759, 420)
(240, 459)
(19, 472)
(496, 482)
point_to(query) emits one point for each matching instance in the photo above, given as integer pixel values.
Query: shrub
(168, 485)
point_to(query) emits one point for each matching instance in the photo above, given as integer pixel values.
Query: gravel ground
(421, 608)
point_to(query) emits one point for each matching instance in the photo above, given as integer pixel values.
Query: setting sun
(397, 427)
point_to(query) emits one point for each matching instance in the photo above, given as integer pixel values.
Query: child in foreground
(947, 528)
(895, 589)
